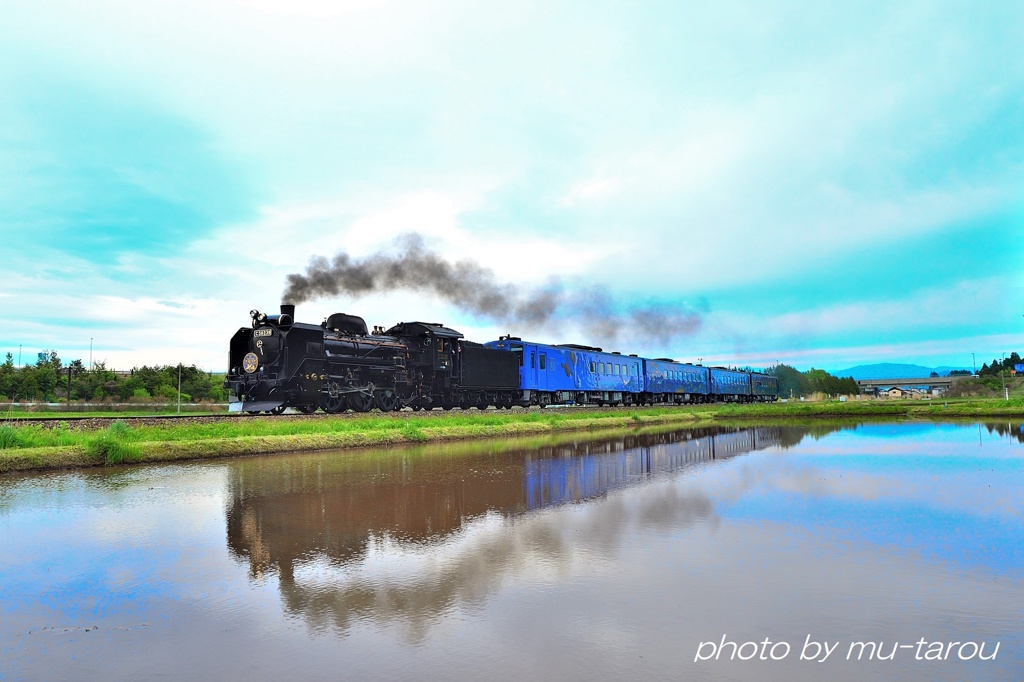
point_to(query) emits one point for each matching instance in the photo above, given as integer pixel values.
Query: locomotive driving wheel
(386, 399)
(332, 405)
(333, 401)
(360, 402)
(277, 410)
(306, 408)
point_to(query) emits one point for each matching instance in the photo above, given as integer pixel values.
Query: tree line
(1000, 365)
(794, 383)
(47, 380)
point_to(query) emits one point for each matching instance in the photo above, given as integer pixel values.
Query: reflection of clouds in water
(789, 476)
(114, 512)
(428, 582)
(963, 484)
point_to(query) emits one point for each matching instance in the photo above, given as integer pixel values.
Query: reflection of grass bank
(35, 447)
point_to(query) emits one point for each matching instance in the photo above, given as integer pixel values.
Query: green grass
(27, 446)
(31, 436)
(112, 446)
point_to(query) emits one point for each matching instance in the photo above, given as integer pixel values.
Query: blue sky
(826, 186)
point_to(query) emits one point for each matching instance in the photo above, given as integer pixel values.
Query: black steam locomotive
(337, 365)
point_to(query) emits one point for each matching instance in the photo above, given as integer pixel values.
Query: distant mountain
(891, 370)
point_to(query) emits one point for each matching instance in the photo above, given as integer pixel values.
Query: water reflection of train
(556, 480)
(285, 511)
(404, 536)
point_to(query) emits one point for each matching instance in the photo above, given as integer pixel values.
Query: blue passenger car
(729, 385)
(569, 374)
(668, 381)
(764, 388)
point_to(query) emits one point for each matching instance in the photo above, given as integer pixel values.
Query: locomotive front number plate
(250, 362)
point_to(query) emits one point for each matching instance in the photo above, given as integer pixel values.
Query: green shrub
(412, 432)
(9, 438)
(111, 445)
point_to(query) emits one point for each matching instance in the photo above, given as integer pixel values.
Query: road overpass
(872, 385)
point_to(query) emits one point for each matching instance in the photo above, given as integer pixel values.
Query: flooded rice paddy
(773, 553)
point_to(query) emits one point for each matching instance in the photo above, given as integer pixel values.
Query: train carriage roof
(580, 347)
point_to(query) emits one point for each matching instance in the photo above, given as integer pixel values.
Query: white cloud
(941, 325)
(591, 190)
(964, 303)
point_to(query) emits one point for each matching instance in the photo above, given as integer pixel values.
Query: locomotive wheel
(360, 402)
(332, 404)
(306, 408)
(277, 410)
(386, 399)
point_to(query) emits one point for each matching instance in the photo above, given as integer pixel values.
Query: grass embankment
(25, 447)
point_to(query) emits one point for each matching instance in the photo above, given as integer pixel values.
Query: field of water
(860, 552)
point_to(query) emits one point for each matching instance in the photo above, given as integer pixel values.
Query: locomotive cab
(435, 344)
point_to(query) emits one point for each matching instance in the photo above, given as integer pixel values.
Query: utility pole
(90, 353)
(19, 355)
(1006, 394)
(974, 365)
(179, 388)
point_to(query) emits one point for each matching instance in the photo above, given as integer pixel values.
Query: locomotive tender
(277, 363)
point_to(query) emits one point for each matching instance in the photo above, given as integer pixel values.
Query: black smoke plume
(473, 289)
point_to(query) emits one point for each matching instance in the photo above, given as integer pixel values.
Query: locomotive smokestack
(287, 314)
